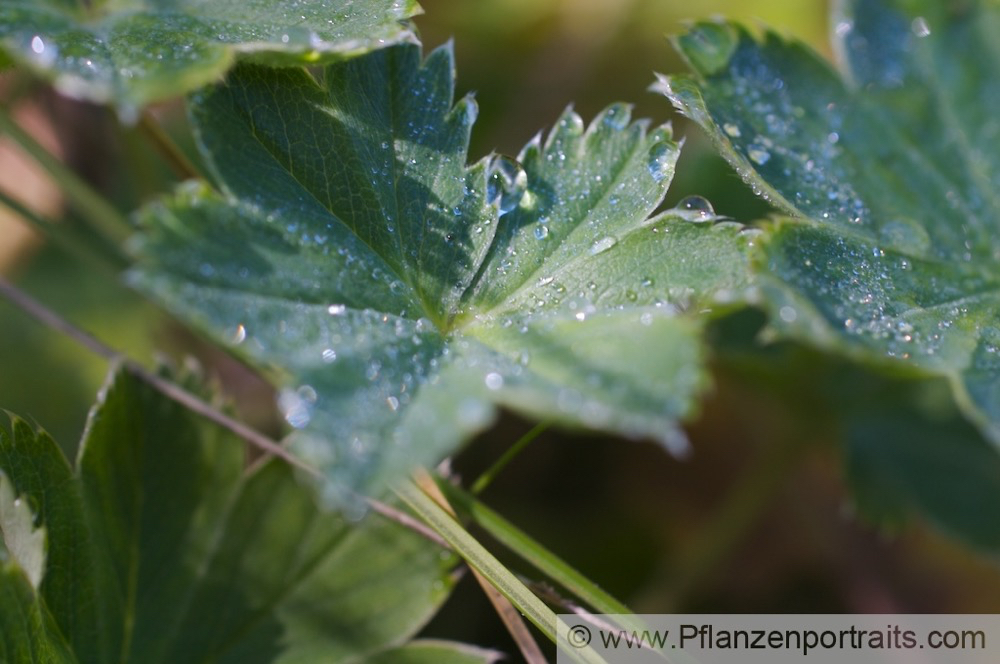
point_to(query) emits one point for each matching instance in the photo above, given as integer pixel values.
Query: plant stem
(50, 319)
(486, 564)
(740, 510)
(491, 473)
(168, 149)
(508, 614)
(94, 208)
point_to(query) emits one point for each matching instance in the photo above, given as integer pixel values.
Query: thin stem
(63, 237)
(405, 520)
(50, 319)
(740, 510)
(481, 560)
(94, 208)
(508, 614)
(183, 167)
(491, 473)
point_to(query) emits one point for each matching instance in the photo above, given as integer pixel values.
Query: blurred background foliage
(757, 520)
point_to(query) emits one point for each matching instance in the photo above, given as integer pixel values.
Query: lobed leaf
(162, 549)
(890, 173)
(134, 52)
(397, 295)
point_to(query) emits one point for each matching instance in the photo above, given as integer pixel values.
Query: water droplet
(284, 39)
(759, 156)
(920, 27)
(329, 355)
(788, 314)
(646, 319)
(545, 281)
(541, 232)
(905, 235)
(732, 130)
(661, 162)
(507, 183)
(296, 405)
(695, 208)
(239, 334)
(603, 245)
(37, 45)
(373, 369)
(494, 381)
(393, 403)
(844, 27)
(336, 309)
(617, 116)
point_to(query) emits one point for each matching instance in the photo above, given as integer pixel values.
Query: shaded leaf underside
(133, 52)
(891, 172)
(397, 294)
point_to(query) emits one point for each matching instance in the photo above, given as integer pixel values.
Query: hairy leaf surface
(132, 52)
(890, 171)
(397, 294)
(162, 548)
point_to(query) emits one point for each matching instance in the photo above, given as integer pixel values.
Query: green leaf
(27, 632)
(396, 294)
(203, 559)
(24, 541)
(74, 586)
(890, 173)
(436, 652)
(133, 52)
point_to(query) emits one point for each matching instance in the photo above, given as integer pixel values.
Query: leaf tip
(708, 46)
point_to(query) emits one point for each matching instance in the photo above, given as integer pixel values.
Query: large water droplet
(695, 208)
(661, 162)
(603, 245)
(507, 183)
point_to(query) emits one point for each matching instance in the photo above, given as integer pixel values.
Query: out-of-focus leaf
(397, 294)
(74, 587)
(27, 632)
(199, 560)
(436, 652)
(890, 172)
(132, 52)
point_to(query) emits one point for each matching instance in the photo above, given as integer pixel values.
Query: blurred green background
(660, 533)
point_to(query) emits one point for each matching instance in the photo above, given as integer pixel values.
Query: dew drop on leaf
(603, 245)
(695, 208)
(905, 235)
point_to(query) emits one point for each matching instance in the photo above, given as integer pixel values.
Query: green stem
(492, 569)
(94, 208)
(532, 552)
(491, 473)
(65, 238)
(741, 509)
(168, 149)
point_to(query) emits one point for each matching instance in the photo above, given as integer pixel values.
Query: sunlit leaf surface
(397, 295)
